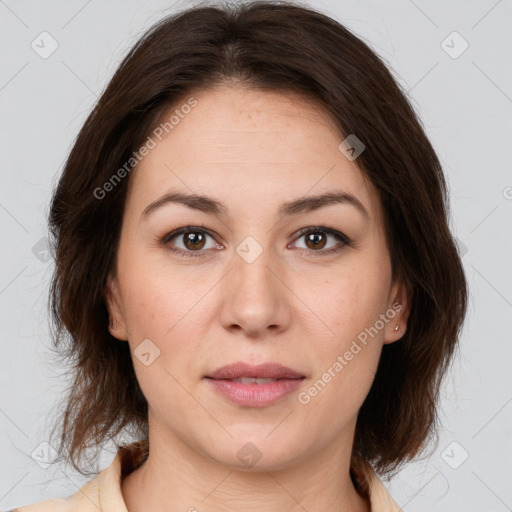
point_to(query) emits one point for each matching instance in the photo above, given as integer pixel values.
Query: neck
(177, 478)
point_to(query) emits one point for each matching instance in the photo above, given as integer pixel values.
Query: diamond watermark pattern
(44, 45)
(454, 455)
(249, 454)
(351, 147)
(463, 248)
(41, 250)
(454, 45)
(43, 454)
(249, 249)
(146, 352)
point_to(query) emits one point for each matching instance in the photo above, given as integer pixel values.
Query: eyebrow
(211, 206)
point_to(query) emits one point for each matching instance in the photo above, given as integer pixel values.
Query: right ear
(117, 323)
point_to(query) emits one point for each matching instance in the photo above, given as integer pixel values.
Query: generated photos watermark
(305, 397)
(144, 150)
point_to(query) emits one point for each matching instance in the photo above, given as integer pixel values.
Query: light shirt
(103, 492)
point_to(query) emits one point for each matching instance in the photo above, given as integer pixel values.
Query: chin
(257, 452)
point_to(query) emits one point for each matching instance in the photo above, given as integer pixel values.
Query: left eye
(316, 239)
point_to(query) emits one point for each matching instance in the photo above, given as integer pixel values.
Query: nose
(255, 296)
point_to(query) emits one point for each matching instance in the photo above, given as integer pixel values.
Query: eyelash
(344, 239)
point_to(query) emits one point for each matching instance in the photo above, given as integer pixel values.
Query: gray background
(465, 102)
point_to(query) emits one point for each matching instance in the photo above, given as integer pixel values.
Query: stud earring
(396, 328)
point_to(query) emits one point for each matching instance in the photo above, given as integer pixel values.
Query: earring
(396, 328)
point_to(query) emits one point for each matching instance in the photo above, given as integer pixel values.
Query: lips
(240, 372)
(254, 386)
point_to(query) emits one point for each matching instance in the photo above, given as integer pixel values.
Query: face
(257, 274)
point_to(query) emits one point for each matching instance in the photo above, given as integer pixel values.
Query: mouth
(254, 386)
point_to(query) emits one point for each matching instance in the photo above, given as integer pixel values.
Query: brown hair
(278, 47)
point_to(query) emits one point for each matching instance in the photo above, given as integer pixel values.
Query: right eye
(193, 239)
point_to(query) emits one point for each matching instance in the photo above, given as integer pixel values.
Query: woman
(254, 271)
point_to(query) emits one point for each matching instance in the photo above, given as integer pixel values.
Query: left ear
(399, 308)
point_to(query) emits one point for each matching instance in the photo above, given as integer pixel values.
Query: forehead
(248, 147)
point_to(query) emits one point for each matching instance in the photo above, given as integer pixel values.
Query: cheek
(170, 309)
(348, 301)
(147, 307)
(154, 298)
(345, 367)
(347, 329)
(157, 309)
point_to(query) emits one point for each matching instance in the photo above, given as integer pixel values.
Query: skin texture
(251, 151)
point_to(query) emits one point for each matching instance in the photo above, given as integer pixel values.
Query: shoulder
(104, 490)
(55, 505)
(379, 497)
(84, 500)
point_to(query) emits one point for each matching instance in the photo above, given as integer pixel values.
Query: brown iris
(194, 240)
(313, 238)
